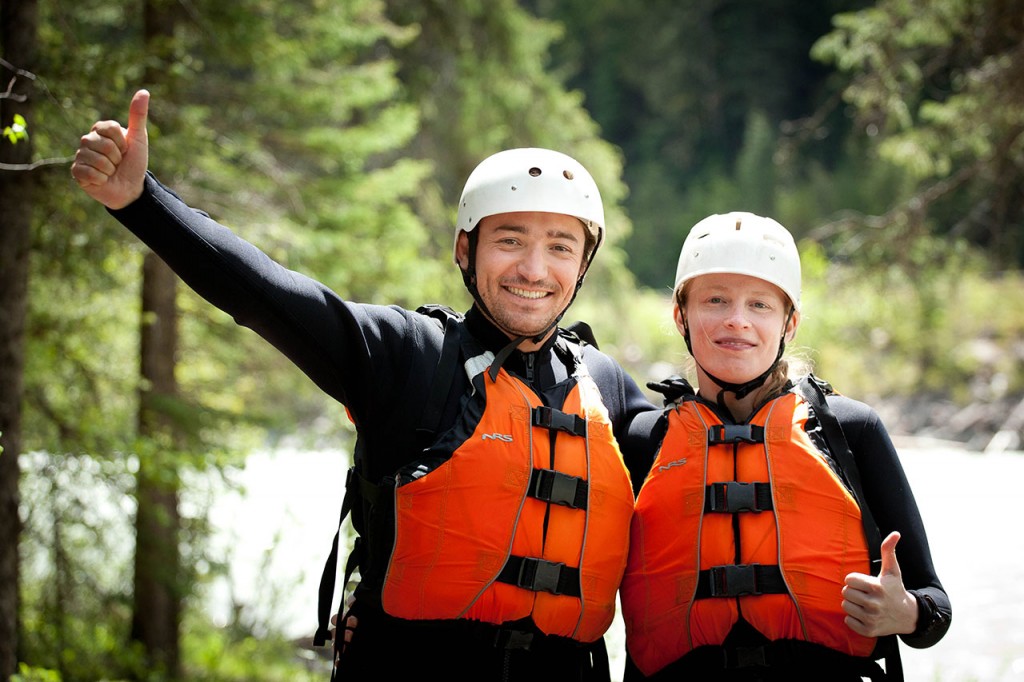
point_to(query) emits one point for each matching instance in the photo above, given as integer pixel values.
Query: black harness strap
(556, 420)
(729, 434)
(540, 575)
(329, 575)
(358, 488)
(433, 408)
(556, 487)
(814, 391)
(740, 580)
(731, 497)
(802, 659)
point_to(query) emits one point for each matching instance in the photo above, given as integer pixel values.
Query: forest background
(886, 136)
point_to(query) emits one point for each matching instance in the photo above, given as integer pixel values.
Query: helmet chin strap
(744, 389)
(469, 279)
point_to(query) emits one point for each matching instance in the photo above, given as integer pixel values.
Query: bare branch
(35, 164)
(915, 204)
(9, 92)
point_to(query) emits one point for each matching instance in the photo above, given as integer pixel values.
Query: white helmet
(530, 180)
(744, 244)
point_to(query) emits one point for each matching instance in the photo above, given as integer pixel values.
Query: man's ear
(462, 250)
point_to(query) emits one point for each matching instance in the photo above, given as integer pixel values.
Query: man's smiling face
(527, 266)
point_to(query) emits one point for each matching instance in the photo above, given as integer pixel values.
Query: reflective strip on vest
(812, 532)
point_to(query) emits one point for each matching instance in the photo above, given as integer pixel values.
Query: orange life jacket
(690, 576)
(525, 514)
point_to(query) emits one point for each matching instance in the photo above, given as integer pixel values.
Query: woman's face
(735, 323)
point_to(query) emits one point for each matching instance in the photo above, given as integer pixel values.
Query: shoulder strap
(582, 332)
(815, 392)
(447, 364)
(358, 488)
(675, 389)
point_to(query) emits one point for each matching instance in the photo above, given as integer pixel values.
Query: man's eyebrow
(521, 229)
(562, 234)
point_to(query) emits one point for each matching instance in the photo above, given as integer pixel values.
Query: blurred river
(276, 537)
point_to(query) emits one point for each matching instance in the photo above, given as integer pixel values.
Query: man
(490, 496)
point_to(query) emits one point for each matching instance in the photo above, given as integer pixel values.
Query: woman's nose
(737, 316)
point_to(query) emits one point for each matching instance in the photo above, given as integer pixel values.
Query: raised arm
(342, 346)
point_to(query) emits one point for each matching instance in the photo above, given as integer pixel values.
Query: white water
(971, 504)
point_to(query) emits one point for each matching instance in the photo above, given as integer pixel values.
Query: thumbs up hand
(111, 161)
(880, 605)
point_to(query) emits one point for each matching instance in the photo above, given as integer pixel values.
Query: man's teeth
(527, 294)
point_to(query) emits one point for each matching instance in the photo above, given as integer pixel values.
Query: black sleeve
(329, 339)
(887, 492)
(626, 404)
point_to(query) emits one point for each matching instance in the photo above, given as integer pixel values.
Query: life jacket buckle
(731, 497)
(734, 580)
(513, 639)
(557, 487)
(556, 420)
(731, 434)
(745, 657)
(540, 575)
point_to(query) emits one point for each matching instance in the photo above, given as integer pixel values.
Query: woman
(756, 547)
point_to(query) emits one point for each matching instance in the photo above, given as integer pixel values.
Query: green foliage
(18, 130)
(697, 105)
(939, 85)
(76, 566)
(215, 656)
(337, 135)
(479, 75)
(29, 674)
(933, 333)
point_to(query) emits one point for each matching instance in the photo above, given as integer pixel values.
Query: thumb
(890, 566)
(138, 114)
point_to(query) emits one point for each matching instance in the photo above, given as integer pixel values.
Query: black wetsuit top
(379, 361)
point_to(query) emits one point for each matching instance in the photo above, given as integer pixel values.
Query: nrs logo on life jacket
(497, 436)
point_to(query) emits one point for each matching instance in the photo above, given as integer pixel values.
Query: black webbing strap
(740, 580)
(732, 497)
(781, 659)
(356, 487)
(328, 577)
(728, 434)
(447, 362)
(812, 389)
(556, 420)
(540, 575)
(558, 488)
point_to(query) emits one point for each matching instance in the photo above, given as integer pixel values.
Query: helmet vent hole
(567, 174)
(514, 188)
(534, 172)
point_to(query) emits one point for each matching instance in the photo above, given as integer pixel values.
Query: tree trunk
(159, 585)
(156, 614)
(18, 28)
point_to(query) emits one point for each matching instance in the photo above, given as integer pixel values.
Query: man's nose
(532, 265)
